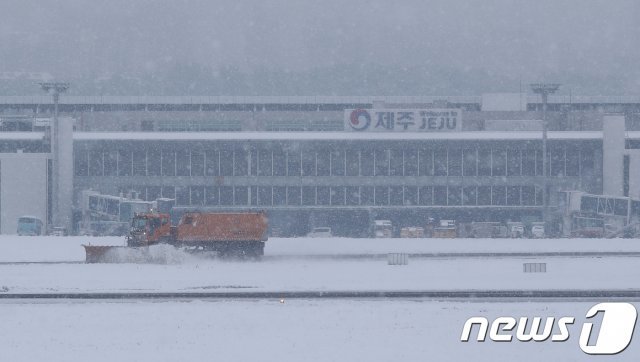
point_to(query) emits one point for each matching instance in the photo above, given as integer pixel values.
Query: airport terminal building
(317, 161)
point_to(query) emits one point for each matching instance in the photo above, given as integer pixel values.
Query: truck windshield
(139, 223)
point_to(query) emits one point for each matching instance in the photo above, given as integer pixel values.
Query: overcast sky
(530, 40)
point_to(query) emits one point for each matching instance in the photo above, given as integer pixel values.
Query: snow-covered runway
(324, 275)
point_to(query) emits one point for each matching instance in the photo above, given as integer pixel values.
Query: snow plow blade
(156, 254)
(99, 253)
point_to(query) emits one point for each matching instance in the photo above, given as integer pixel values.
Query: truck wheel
(257, 251)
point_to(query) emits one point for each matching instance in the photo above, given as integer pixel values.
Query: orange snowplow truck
(229, 234)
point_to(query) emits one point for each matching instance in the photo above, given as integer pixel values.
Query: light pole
(544, 89)
(55, 88)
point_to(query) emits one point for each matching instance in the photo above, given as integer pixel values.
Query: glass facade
(457, 162)
(297, 174)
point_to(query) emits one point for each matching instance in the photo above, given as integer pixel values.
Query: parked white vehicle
(58, 231)
(320, 232)
(383, 228)
(537, 230)
(516, 229)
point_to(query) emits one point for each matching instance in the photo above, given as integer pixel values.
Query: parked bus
(29, 225)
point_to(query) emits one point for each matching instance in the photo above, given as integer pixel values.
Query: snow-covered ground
(268, 330)
(295, 329)
(326, 275)
(183, 272)
(53, 249)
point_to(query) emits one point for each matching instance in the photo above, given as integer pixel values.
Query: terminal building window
(168, 163)
(396, 196)
(212, 162)
(182, 196)
(454, 196)
(323, 163)
(241, 195)
(484, 195)
(279, 163)
(353, 162)
(95, 163)
(197, 163)
(308, 163)
(338, 163)
(265, 163)
(396, 162)
(111, 163)
(498, 195)
(323, 195)
(426, 162)
(240, 162)
(513, 195)
(381, 195)
(411, 162)
(498, 162)
(337, 195)
(169, 192)
(587, 163)
(308, 195)
(556, 163)
(454, 160)
(469, 196)
(81, 163)
(153, 162)
(382, 162)
(528, 162)
(366, 163)
(440, 162)
(140, 163)
(264, 195)
(293, 163)
(484, 162)
(212, 195)
(572, 165)
(197, 195)
(253, 195)
(366, 195)
(279, 195)
(514, 162)
(226, 162)
(183, 162)
(352, 195)
(410, 195)
(538, 196)
(440, 195)
(425, 194)
(154, 193)
(226, 195)
(293, 195)
(124, 162)
(528, 195)
(470, 162)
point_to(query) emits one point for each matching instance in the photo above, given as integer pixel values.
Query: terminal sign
(403, 120)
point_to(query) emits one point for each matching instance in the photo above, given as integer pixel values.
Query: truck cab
(149, 229)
